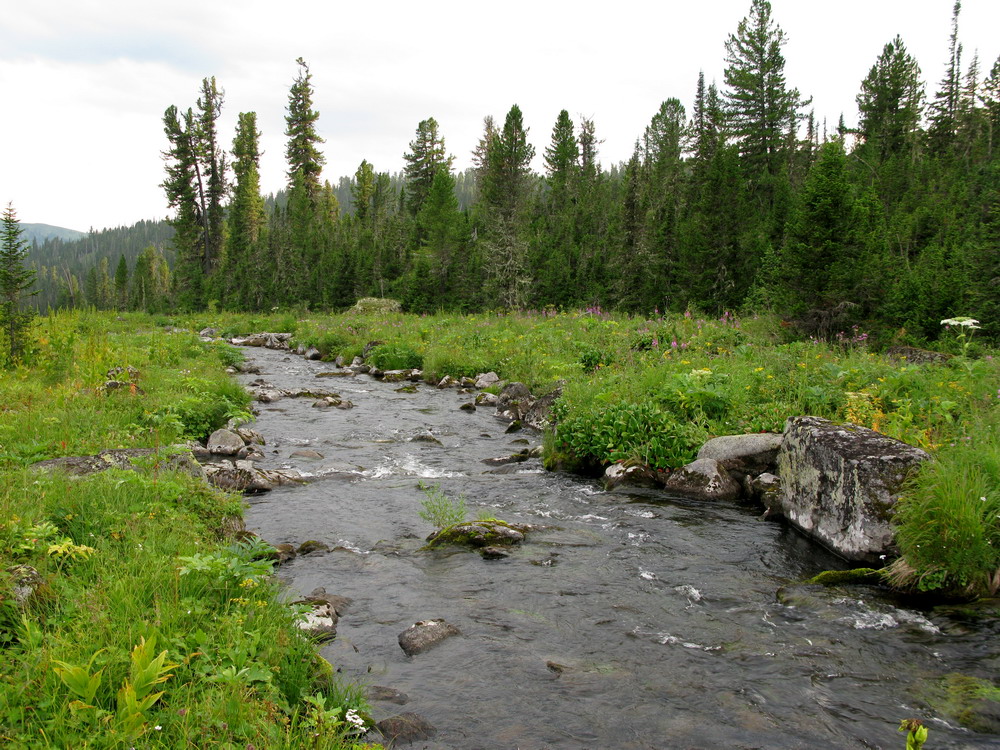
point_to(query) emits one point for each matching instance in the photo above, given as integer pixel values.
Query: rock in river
(425, 635)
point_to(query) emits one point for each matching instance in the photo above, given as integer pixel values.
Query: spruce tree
(890, 104)
(426, 155)
(506, 188)
(248, 268)
(16, 280)
(184, 190)
(762, 109)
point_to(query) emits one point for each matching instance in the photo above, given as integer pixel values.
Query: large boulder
(840, 483)
(703, 479)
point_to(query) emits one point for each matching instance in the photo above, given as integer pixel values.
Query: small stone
(494, 553)
(514, 426)
(468, 407)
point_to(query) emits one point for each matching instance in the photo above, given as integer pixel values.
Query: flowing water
(627, 619)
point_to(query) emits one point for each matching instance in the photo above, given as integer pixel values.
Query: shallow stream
(627, 620)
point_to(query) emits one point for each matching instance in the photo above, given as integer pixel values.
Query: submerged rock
(425, 635)
(382, 694)
(406, 728)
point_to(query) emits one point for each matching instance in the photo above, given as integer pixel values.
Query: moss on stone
(487, 532)
(847, 577)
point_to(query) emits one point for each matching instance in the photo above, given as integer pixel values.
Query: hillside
(35, 233)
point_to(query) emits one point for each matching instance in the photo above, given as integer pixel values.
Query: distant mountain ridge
(41, 232)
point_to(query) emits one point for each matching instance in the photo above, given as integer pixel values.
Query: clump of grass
(439, 509)
(375, 306)
(948, 522)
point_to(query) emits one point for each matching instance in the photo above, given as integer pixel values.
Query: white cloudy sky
(85, 82)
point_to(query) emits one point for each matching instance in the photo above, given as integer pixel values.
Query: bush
(394, 357)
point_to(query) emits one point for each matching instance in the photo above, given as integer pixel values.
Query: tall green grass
(150, 628)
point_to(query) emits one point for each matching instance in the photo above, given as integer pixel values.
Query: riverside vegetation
(151, 626)
(147, 625)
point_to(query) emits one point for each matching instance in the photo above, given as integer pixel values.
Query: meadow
(153, 627)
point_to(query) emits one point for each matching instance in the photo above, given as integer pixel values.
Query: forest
(740, 201)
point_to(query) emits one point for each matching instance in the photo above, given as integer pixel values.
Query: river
(628, 619)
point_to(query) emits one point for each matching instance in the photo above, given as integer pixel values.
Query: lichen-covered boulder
(840, 483)
(703, 479)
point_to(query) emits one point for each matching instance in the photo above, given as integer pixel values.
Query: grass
(150, 628)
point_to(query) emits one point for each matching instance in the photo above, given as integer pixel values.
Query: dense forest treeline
(741, 200)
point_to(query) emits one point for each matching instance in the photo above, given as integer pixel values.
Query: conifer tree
(944, 110)
(121, 284)
(506, 191)
(762, 109)
(16, 280)
(184, 190)
(247, 265)
(426, 155)
(890, 103)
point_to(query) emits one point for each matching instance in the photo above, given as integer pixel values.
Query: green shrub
(394, 357)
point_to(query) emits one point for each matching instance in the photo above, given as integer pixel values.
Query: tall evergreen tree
(506, 190)
(890, 103)
(944, 109)
(121, 284)
(211, 162)
(762, 108)
(302, 151)
(247, 264)
(16, 280)
(184, 190)
(426, 155)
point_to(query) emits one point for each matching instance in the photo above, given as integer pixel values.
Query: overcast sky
(85, 82)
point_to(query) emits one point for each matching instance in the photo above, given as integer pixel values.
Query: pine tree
(426, 155)
(212, 164)
(302, 152)
(183, 187)
(121, 284)
(506, 190)
(16, 279)
(762, 109)
(890, 103)
(944, 110)
(247, 266)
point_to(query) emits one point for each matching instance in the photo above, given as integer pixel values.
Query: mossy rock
(848, 577)
(971, 701)
(375, 306)
(489, 532)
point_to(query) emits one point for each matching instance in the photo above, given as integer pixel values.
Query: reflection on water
(627, 620)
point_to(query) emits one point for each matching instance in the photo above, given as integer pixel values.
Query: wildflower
(158, 728)
(963, 321)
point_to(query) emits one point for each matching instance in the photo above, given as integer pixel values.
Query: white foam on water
(592, 517)
(647, 575)
(640, 513)
(689, 591)
(409, 466)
